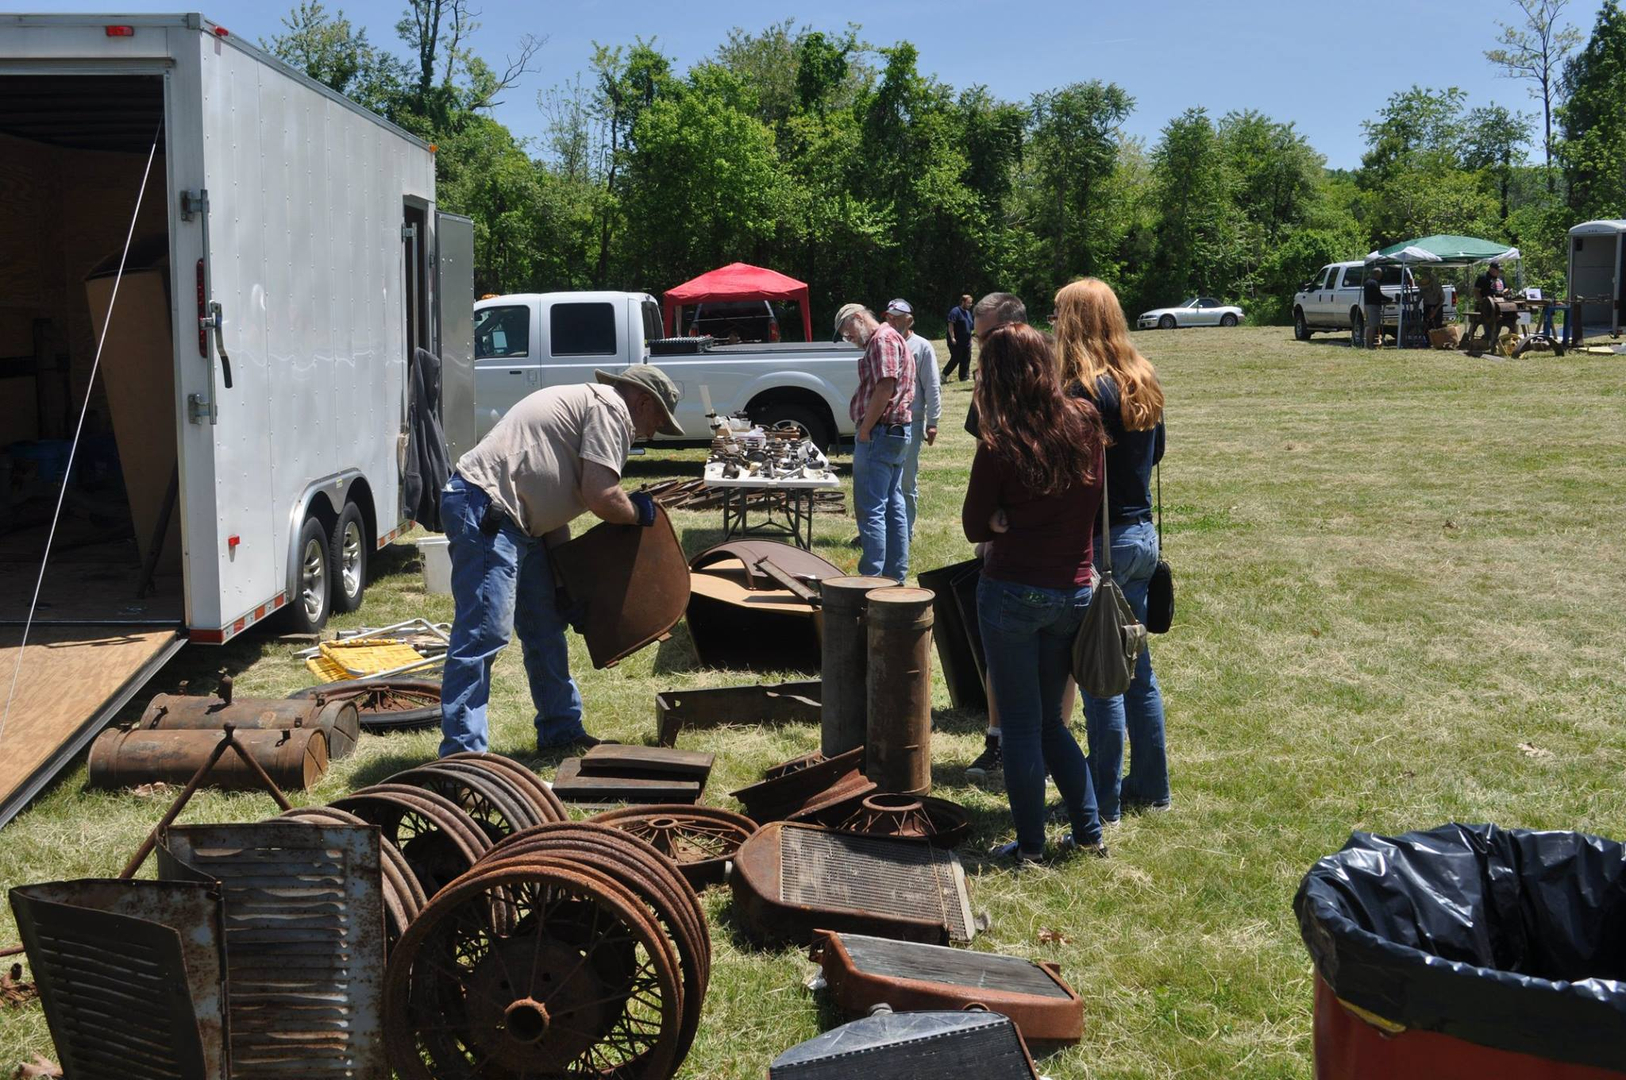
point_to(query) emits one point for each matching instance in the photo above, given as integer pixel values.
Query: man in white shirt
(928, 404)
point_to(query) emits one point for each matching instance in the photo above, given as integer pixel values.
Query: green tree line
(839, 162)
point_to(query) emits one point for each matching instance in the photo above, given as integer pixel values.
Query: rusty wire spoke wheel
(491, 799)
(543, 800)
(575, 980)
(699, 839)
(436, 837)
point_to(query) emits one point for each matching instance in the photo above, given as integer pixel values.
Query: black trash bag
(1510, 939)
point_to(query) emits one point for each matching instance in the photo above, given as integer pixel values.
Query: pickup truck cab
(1332, 300)
(527, 341)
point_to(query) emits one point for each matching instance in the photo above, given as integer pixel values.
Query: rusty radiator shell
(845, 661)
(862, 972)
(294, 759)
(131, 976)
(790, 879)
(795, 788)
(632, 581)
(304, 919)
(898, 748)
(911, 1046)
(335, 717)
(716, 706)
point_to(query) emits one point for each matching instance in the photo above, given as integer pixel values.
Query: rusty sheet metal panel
(295, 760)
(304, 943)
(336, 717)
(911, 1046)
(957, 634)
(863, 972)
(717, 706)
(898, 750)
(131, 976)
(633, 583)
(790, 880)
(801, 565)
(807, 788)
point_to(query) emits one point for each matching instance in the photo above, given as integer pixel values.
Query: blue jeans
(501, 583)
(911, 471)
(883, 522)
(1138, 711)
(1028, 634)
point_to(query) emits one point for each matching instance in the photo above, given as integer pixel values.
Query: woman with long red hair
(1034, 495)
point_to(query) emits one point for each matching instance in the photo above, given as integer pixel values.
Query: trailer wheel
(349, 559)
(310, 605)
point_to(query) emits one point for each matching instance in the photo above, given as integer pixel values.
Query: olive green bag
(1110, 639)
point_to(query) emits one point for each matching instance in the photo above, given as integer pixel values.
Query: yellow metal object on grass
(355, 658)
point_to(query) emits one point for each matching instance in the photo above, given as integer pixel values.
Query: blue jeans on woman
(1028, 633)
(1138, 711)
(501, 583)
(883, 519)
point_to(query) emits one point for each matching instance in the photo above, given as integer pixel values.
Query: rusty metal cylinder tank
(295, 759)
(844, 694)
(898, 750)
(335, 717)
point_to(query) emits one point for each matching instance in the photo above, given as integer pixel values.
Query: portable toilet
(1598, 274)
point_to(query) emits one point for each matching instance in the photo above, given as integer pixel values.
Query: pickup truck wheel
(349, 559)
(1227, 320)
(1166, 323)
(810, 422)
(1301, 329)
(309, 606)
(1357, 328)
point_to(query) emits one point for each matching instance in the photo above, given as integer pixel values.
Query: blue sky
(1325, 66)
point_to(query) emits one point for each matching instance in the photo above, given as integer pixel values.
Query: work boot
(989, 763)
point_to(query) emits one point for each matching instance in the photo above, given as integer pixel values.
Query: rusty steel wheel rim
(438, 840)
(489, 798)
(547, 804)
(573, 980)
(700, 839)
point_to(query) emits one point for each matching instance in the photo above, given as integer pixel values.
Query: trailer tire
(311, 602)
(348, 559)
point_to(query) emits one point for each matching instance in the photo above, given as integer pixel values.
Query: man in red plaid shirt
(880, 408)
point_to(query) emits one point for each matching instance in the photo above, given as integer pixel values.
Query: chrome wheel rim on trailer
(313, 580)
(350, 559)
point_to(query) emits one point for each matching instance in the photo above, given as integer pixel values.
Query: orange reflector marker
(120, 31)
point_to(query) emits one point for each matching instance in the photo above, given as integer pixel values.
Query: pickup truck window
(502, 332)
(582, 329)
(653, 327)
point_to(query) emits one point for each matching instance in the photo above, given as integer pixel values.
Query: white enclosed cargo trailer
(244, 446)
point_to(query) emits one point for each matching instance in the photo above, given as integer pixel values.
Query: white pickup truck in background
(1333, 300)
(526, 341)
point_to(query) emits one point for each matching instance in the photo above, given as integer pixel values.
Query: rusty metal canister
(898, 750)
(295, 759)
(336, 717)
(843, 696)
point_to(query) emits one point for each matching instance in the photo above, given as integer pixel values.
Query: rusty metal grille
(820, 869)
(954, 967)
(304, 944)
(127, 995)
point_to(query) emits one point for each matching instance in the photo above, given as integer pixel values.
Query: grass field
(1399, 582)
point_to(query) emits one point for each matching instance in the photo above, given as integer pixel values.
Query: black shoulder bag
(1160, 590)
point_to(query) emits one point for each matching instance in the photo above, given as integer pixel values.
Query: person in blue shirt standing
(927, 406)
(959, 339)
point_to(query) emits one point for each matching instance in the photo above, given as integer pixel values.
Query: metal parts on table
(717, 706)
(863, 972)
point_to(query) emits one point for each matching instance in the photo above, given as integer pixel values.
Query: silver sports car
(1198, 311)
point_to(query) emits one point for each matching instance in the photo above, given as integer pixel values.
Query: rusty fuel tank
(295, 759)
(845, 661)
(898, 749)
(336, 717)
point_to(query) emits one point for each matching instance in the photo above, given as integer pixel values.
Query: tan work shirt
(531, 462)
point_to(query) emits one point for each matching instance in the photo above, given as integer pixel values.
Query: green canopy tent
(1438, 251)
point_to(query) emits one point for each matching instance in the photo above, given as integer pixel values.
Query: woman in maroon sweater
(1034, 496)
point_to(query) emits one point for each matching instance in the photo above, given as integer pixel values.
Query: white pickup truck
(1332, 300)
(526, 341)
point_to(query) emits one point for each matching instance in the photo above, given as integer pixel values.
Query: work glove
(644, 503)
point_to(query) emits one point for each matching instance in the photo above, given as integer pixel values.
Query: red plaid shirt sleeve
(886, 357)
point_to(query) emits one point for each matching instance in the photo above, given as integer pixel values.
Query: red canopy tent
(739, 281)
